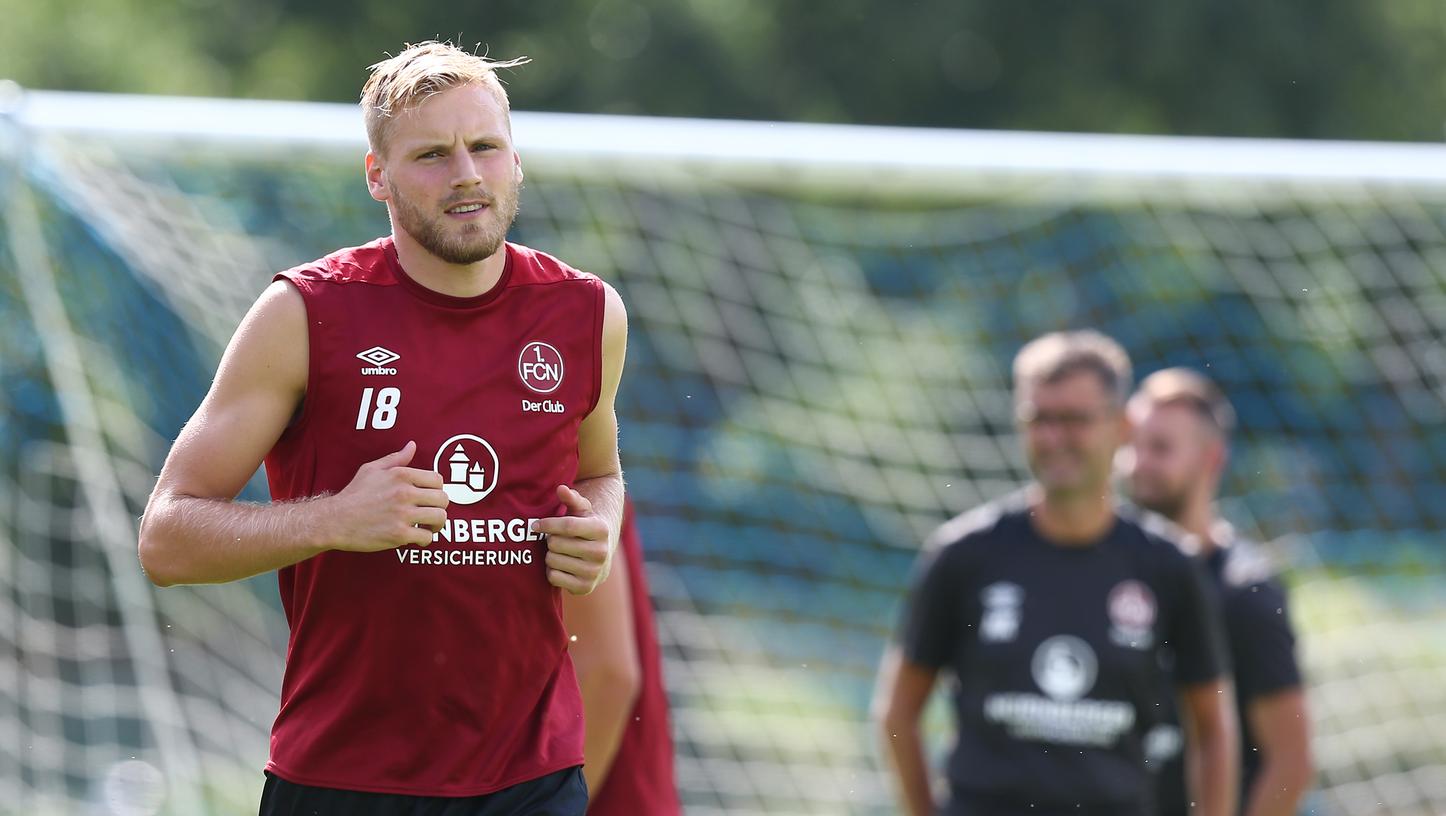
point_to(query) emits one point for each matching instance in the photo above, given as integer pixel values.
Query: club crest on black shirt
(1055, 656)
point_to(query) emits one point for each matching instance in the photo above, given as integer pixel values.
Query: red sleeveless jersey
(439, 670)
(641, 781)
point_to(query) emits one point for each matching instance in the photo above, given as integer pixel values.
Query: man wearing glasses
(1048, 611)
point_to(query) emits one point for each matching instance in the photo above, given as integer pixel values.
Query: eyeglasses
(1066, 420)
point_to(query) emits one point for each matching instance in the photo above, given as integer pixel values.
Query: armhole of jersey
(600, 310)
(299, 422)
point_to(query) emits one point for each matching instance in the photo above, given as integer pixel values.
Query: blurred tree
(1296, 68)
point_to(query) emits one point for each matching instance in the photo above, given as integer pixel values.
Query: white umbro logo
(378, 356)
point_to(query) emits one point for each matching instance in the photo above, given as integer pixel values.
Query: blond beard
(431, 235)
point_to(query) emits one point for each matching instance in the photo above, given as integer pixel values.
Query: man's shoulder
(533, 266)
(367, 263)
(1250, 582)
(1246, 564)
(979, 526)
(1156, 528)
(1156, 534)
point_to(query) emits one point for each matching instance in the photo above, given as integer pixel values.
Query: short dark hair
(1190, 388)
(1052, 357)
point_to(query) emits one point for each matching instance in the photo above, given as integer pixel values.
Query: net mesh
(817, 376)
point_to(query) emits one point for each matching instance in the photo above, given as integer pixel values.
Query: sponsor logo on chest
(471, 470)
(1064, 668)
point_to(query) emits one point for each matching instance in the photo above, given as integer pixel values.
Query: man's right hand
(389, 505)
(195, 532)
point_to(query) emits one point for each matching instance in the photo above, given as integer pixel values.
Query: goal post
(822, 319)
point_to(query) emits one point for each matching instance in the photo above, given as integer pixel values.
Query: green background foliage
(1322, 69)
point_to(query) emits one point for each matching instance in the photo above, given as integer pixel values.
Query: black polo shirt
(1262, 653)
(1054, 653)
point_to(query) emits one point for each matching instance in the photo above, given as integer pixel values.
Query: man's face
(1173, 457)
(1071, 429)
(449, 174)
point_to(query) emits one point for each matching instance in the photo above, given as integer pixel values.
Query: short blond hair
(420, 70)
(1052, 357)
(1190, 388)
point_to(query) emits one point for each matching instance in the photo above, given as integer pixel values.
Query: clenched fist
(389, 505)
(579, 544)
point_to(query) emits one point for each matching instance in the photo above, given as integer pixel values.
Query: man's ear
(376, 176)
(1126, 429)
(1217, 456)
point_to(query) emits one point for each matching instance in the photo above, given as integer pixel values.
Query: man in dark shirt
(1181, 423)
(1048, 612)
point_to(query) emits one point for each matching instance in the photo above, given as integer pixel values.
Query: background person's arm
(1280, 725)
(605, 654)
(903, 691)
(928, 641)
(1212, 747)
(1268, 682)
(1202, 681)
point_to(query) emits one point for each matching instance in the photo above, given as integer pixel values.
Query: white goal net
(822, 320)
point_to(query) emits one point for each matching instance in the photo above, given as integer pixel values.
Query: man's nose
(464, 169)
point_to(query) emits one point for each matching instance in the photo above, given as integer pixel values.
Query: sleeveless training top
(439, 670)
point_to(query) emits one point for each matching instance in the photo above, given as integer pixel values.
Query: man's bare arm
(194, 531)
(1280, 724)
(902, 692)
(605, 654)
(1212, 747)
(580, 544)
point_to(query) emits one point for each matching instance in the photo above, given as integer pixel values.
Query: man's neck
(1073, 519)
(455, 280)
(1199, 520)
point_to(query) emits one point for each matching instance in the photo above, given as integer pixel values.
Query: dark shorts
(563, 793)
(961, 804)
